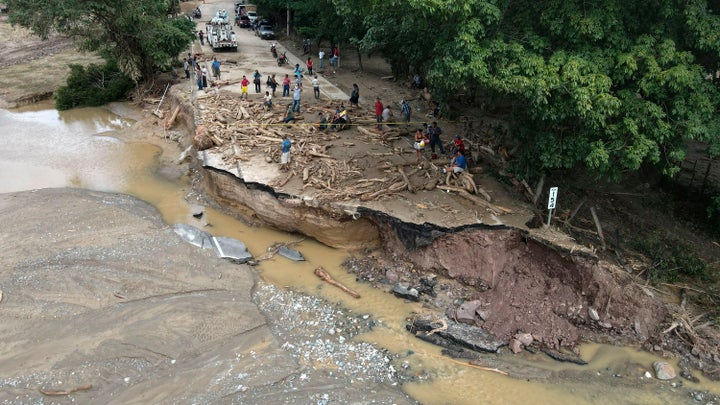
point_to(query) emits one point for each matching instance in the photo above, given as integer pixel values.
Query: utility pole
(288, 20)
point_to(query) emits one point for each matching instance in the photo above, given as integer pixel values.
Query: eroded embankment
(502, 279)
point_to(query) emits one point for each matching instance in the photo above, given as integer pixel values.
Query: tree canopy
(610, 85)
(138, 36)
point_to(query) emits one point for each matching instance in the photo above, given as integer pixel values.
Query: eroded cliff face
(331, 227)
(525, 286)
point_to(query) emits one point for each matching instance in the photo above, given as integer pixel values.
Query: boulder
(402, 290)
(664, 371)
(515, 345)
(291, 254)
(461, 334)
(231, 249)
(392, 277)
(466, 312)
(525, 338)
(194, 235)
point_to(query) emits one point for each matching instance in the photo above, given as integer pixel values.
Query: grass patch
(672, 260)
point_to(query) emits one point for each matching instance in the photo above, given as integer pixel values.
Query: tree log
(320, 272)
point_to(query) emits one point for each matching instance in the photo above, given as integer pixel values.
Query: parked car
(266, 32)
(252, 15)
(243, 21)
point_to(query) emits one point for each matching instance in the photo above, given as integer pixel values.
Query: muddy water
(40, 147)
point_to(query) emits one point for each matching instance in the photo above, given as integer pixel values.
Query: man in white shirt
(316, 87)
(321, 56)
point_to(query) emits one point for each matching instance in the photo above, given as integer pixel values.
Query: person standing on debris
(309, 65)
(406, 111)
(267, 105)
(434, 131)
(186, 66)
(244, 86)
(198, 79)
(387, 115)
(289, 114)
(316, 87)
(202, 37)
(296, 99)
(378, 113)
(355, 96)
(286, 86)
(273, 84)
(204, 72)
(419, 145)
(285, 157)
(256, 81)
(216, 68)
(321, 58)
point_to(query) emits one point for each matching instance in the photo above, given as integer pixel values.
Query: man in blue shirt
(285, 157)
(458, 164)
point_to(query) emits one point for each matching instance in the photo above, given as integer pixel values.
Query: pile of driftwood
(243, 128)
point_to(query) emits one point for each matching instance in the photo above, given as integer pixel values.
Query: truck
(220, 34)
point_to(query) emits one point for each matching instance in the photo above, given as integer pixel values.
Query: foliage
(92, 86)
(713, 212)
(612, 86)
(137, 35)
(671, 259)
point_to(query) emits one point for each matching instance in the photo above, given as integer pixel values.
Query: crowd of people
(427, 136)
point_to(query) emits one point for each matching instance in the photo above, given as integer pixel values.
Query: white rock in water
(664, 371)
(593, 314)
(648, 375)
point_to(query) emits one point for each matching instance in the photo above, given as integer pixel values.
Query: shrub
(92, 86)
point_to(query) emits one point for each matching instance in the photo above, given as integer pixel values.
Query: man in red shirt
(378, 112)
(244, 87)
(309, 65)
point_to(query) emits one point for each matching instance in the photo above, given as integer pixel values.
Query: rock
(515, 345)
(483, 314)
(525, 338)
(193, 235)
(467, 336)
(648, 375)
(593, 314)
(291, 254)
(402, 290)
(197, 210)
(664, 371)
(466, 312)
(392, 277)
(231, 249)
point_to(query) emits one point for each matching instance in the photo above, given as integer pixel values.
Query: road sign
(553, 198)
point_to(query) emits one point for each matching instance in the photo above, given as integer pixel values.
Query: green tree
(137, 35)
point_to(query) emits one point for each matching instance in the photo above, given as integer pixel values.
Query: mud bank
(518, 280)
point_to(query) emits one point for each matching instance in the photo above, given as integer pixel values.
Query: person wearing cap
(458, 145)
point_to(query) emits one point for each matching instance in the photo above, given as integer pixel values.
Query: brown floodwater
(41, 147)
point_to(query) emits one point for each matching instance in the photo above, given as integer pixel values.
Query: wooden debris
(54, 393)
(202, 139)
(320, 272)
(1, 295)
(497, 210)
(172, 118)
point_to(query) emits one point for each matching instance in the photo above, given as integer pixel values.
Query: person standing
(244, 87)
(186, 66)
(216, 68)
(378, 112)
(285, 149)
(296, 99)
(204, 72)
(286, 86)
(273, 84)
(198, 79)
(434, 131)
(321, 58)
(419, 145)
(202, 37)
(355, 96)
(298, 81)
(309, 65)
(316, 87)
(256, 80)
(406, 111)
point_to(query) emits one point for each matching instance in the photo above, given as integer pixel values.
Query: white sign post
(552, 200)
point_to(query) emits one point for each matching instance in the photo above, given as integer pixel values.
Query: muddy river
(41, 148)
